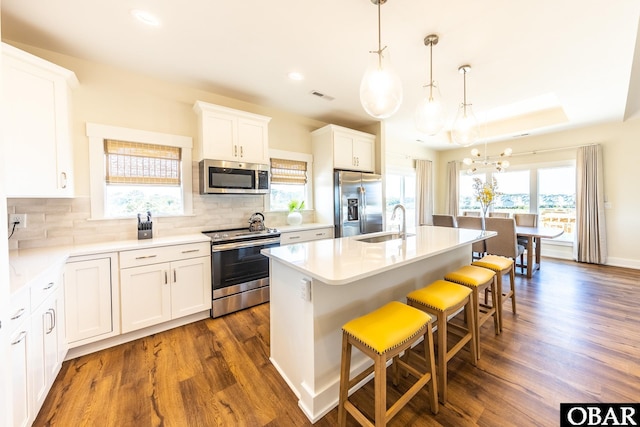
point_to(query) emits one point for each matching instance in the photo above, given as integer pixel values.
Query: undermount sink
(381, 238)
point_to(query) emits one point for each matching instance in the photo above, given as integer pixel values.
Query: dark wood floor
(576, 338)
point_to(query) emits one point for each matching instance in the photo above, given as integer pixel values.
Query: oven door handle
(240, 245)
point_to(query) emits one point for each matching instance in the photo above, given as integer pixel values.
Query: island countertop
(344, 260)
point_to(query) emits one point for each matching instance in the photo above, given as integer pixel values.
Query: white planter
(294, 218)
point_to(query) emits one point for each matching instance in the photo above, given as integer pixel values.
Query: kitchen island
(316, 287)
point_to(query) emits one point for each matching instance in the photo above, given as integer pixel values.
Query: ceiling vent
(322, 95)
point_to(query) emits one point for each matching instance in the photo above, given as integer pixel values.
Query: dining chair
(444, 220)
(474, 223)
(502, 251)
(499, 215)
(471, 213)
(525, 220)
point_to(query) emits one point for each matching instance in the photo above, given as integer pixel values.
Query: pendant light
(465, 129)
(430, 115)
(380, 88)
(475, 162)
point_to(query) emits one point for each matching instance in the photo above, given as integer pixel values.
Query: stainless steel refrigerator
(357, 202)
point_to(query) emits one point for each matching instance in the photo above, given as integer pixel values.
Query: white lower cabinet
(88, 298)
(20, 338)
(153, 292)
(38, 343)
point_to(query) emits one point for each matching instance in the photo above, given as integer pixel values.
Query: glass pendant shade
(430, 115)
(380, 89)
(465, 129)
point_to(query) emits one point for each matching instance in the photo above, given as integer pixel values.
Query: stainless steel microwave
(225, 177)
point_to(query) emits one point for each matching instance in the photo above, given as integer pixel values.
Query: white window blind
(138, 163)
(284, 171)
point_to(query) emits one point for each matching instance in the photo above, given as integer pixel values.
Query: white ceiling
(536, 66)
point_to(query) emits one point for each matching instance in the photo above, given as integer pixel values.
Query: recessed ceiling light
(294, 75)
(145, 17)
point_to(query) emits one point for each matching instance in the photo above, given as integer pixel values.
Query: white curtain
(453, 171)
(424, 192)
(590, 241)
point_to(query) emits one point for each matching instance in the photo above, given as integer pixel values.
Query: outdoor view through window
(549, 191)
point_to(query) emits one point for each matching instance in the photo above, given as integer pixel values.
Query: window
(557, 199)
(401, 188)
(140, 178)
(134, 171)
(548, 190)
(290, 179)
(513, 187)
(467, 200)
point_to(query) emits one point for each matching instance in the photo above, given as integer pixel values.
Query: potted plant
(295, 217)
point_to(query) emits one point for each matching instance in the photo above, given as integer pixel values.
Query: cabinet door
(20, 378)
(252, 141)
(191, 287)
(343, 151)
(145, 296)
(219, 136)
(40, 327)
(363, 154)
(36, 108)
(87, 296)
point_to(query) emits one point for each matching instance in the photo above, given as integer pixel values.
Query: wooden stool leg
(494, 301)
(442, 356)
(499, 298)
(380, 385)
(472, 328)
(475, 301)
(345, 367)
(513, 289)
(431, 367)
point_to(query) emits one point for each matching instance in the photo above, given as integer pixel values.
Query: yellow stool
(444, 299)
(477, 279)
(384, 334)
(501, 266)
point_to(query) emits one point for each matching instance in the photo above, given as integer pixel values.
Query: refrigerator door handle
(363, 209)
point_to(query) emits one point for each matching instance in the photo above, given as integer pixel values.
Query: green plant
(296, 206)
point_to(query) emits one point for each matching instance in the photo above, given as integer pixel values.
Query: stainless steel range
(240, 273)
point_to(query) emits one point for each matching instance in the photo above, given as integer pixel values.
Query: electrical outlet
(21, 219)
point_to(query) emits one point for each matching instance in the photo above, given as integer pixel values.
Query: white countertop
(345, 260)
(26, 265)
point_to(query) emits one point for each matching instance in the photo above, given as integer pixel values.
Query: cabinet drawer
(305, 235)
(19, 308)
(41, 289)
(138, 257)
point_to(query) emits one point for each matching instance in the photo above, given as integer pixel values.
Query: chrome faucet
(403, 233)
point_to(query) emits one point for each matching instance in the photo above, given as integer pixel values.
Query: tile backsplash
(61, 222)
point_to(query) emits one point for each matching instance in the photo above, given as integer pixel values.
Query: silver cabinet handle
(18, 314)
(241, 152)
(48, 313)
(49, 286)
(294, 237)
(175, 277)
(20, 338)
(166, 278)
(319, 234)
(235, 151)
(146, 257)
(63, 180)
(191, 251)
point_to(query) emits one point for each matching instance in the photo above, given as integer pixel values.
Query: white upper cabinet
(228, 134)
(348, 149)
(36, 125)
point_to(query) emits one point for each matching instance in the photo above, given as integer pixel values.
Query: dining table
(534, 236)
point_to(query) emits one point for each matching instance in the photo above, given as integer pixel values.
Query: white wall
(621, 151)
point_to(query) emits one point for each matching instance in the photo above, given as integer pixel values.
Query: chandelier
(380, 88)
(429, 116)
(477, 161)
(465, 129)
